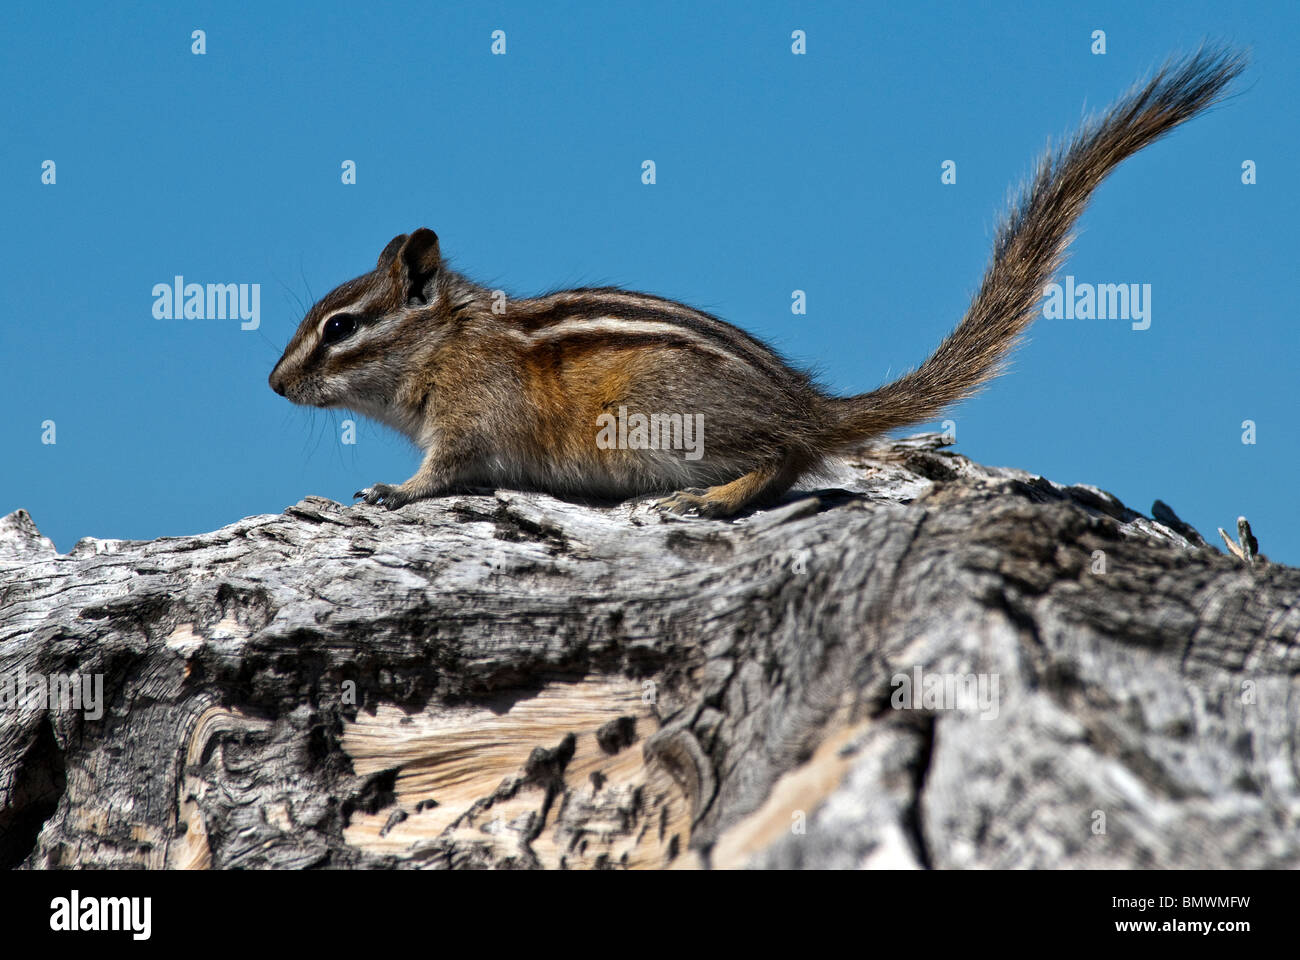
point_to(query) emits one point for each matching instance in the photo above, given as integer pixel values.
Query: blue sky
(775, 172)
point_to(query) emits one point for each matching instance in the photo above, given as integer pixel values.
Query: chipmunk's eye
(339, 327)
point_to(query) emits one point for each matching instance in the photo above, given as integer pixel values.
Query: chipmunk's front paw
(385, 495)
(692, 500)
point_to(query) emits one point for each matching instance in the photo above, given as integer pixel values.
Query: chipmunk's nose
(276, 381)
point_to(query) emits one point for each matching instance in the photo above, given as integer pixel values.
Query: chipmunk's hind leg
(764, 483)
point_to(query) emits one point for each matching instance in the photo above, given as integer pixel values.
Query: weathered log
(513, 680)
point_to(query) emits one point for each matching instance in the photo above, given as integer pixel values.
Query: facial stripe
(358, 294)
(367, 333)
(360, 308)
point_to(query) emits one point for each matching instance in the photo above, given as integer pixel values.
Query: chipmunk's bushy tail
(1031, 244)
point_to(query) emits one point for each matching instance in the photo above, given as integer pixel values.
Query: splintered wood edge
(461, 778)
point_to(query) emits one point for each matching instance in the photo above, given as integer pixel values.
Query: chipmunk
(516, 397)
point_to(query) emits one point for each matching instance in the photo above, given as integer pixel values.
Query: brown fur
(512, 399)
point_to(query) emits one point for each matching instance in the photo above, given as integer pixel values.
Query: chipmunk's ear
(416, 263)
(390, 252)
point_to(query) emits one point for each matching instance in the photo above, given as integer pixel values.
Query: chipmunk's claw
(384, 495)
(691, 501)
